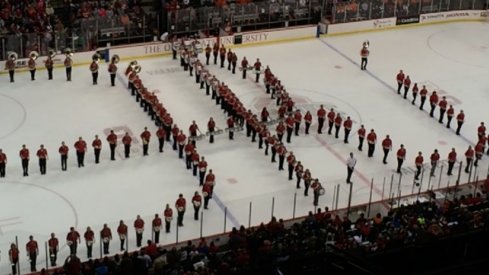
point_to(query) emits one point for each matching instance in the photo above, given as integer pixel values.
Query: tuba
(68, 52)
(12, 56)
(96, 57)
(34, 55)
(137, 68)
(115, 59)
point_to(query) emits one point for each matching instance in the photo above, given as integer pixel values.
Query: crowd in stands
(273, 246)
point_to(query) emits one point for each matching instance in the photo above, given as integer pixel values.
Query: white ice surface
(451, 58)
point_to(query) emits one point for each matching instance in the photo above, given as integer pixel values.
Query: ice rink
(449, 58)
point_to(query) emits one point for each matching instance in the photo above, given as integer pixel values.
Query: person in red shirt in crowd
(297, 121)
(386, 146)
(196, 202)
(42, 154)
(145, 136)
(161, 134)
(63, 151)
(321, 113)
(460, 121)
(337, 124)
(418, 161)
(371, 140)
(181, 140)
(72, 240)
(415, 91)
(289, 123)
(13, 254)
(202, 170)
(180, 205)
(211, 127)
(443, 104)
(400, 81)
(469, 156)
(139, 227)
(299, 170)
(89, 237)
(32, 66)
(222, 55)
(280, 129)
(127, 140)
(308, 121)
(32, 252)
(97, 145)
(331, 116)
(423, 94)
(207, 193)
(49, 67)
(122, 232)
(481, 130)
(257, 68)
(433, 102)
(401, 156)
(53, 248)
(210, 178)
(281, 151)
(407, 85)
(168, 213)
(434, 158)
(450, 114)
(361, 137)
(452, 158)
(244, 66)
(347, 126)
(364, 53)
(230, 124)
(188, 148)
(24, 157)
(175, 131)
(156, 226)
(291, 164)
(194, 158)
(81, 148)
(3, 163)
(479, 151)
(106, 237)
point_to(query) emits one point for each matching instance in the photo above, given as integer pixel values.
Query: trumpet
(34, 55)
(115, 59)
(13, 56)
(137, 68)
(96, 57)
(68, 52)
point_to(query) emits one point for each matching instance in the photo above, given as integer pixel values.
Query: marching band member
(68, 65)
(94, 69)
(10, 66)
(32, 65)
(49, 66)
(208, 51)
(364, 52)
(244, 66)
(113, 69)
(257, 67)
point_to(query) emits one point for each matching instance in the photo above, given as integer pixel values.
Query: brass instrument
(137, 68)
(366, 44)
(52, 53)
(68, 52)
(12, 56)
(96, 57)
(34, 55)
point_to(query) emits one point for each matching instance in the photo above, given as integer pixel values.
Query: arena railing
(86, 34)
